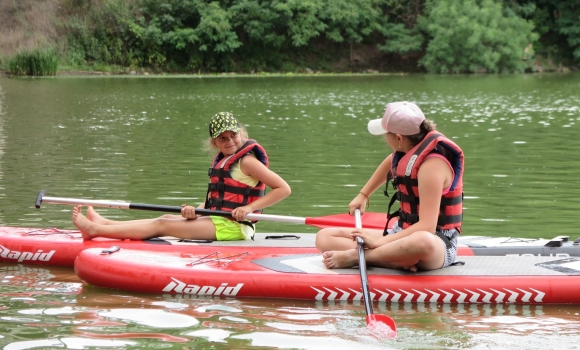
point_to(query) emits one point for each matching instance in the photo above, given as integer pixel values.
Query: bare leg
(338, 239)
(95, 217)
(200, 228)
(421, 250)
(340, 259)
(78, 219)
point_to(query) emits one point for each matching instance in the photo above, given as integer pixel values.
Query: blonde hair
(210, 147)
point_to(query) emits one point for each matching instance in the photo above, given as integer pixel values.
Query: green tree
(98, 31)
(400, 27)
(568, 24)
(352, 21)
(302, 18)
(193, 33)
(474, 36)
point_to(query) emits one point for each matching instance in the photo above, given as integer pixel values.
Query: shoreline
(84, 74)
(534, 68)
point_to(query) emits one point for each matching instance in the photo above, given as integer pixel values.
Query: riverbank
(539, 65)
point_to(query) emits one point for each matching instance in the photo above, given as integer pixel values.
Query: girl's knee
(321, 236)
(425, 241)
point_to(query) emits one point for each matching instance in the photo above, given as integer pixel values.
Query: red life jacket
(225, 193)
(405, 166)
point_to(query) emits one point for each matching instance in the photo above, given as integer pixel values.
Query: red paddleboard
(286, 275)
(57, 247)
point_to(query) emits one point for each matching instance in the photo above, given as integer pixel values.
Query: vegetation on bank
(249, 36)
(37, 62)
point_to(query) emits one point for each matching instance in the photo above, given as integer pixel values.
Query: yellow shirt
(238, 175)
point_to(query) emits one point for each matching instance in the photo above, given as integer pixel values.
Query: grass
(37, 62)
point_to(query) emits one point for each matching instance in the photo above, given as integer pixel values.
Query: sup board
(58, 247)
(283, 274)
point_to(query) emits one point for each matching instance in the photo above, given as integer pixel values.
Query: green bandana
(222, 122)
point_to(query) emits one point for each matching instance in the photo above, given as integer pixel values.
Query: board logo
(8, 254)
(176, 286)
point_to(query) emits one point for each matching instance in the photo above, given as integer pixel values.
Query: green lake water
(139, 139)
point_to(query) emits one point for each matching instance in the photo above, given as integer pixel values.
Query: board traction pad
(474, 266)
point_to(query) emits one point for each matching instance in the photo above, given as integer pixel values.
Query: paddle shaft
(175, 209)
(373, 320)
(363, 265)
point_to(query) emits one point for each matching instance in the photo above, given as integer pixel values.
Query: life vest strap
(451, 219)
(445, 201)
(221, 187)
(221, 173)
(406, 198)
(220, 203)
(414, 218)
(407, 181)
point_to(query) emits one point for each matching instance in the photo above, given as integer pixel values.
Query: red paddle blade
(383, 325)
(369, 220)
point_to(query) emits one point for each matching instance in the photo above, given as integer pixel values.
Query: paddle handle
(363, 265)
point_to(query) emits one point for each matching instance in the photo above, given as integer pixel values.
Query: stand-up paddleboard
(285, 275)
(59, 247)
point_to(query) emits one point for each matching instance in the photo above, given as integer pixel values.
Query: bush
(474, 36)
(42, 61)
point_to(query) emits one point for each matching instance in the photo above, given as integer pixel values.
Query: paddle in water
(378, 323)
(372, 220)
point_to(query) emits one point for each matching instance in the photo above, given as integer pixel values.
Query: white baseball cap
(402, 118)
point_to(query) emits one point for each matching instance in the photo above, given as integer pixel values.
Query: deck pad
(474, 266)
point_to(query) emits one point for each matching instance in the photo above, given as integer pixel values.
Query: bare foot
(82, 223)
(340, 259)
(95, 217)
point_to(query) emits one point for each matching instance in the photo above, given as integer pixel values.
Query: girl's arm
(376, 180)
(279, 188)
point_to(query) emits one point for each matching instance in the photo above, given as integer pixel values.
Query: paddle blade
(382, 325)
(369, 221)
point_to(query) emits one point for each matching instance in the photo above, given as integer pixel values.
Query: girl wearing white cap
(238, 178)
(427, 173)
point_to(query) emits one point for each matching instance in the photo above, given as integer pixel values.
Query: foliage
(400, 39)
(102, 34)
(37, 62)
(191, 33)
(400, 29)
(474, 36)
(290, 35)
(568, 24)
(557, 22)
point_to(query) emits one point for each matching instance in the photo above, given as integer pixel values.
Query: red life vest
(225, 193)
(405, 166)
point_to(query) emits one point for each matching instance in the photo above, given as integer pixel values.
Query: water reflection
(82, 316)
